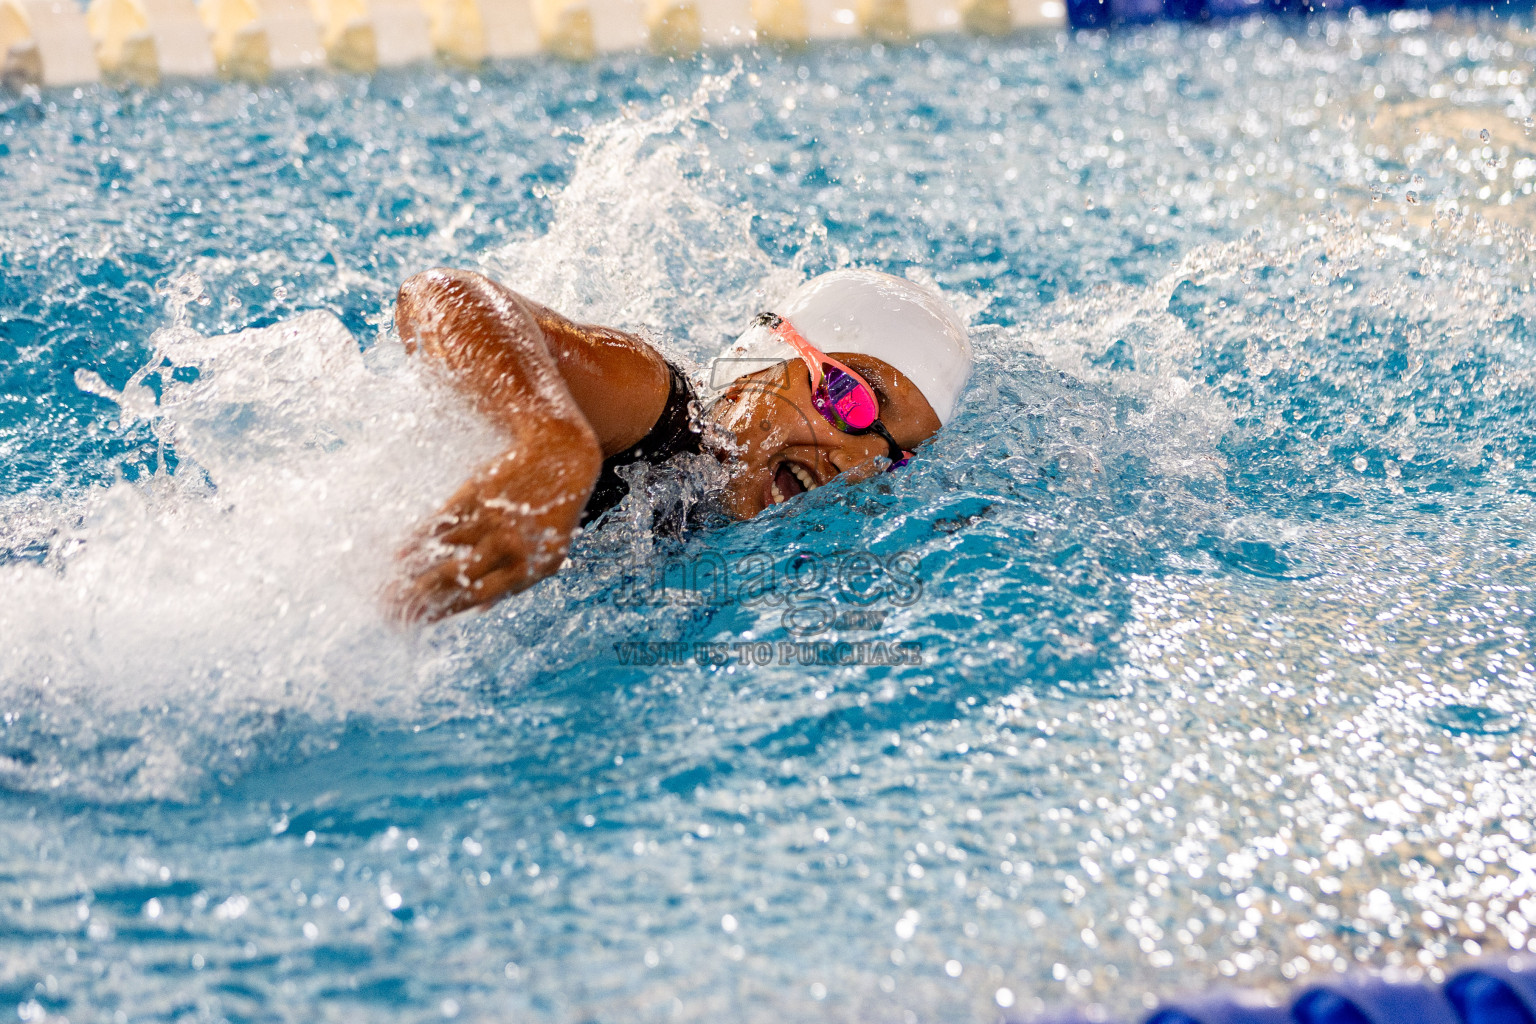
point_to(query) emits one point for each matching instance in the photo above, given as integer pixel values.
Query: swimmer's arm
(511, 523)
(620, 382)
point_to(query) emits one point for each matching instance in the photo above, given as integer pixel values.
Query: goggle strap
(898, 453)
(814, 359)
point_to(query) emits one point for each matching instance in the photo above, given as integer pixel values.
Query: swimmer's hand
(509, 526)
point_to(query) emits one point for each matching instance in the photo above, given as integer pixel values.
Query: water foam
(637, 242)
(245, 583)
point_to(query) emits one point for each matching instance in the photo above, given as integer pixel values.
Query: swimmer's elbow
(419, 294)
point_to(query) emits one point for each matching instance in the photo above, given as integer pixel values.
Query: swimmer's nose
(856, 453)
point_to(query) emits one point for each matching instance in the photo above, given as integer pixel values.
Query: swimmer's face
(784, 447)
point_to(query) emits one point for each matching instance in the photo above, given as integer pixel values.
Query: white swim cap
(869, 313)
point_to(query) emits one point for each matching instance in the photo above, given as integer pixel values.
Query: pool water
(1196, 650)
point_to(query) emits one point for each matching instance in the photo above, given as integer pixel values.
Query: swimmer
(848, 377)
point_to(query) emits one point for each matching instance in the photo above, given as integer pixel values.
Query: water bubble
(1360, 463)
(1413, 199)
(1484, 135)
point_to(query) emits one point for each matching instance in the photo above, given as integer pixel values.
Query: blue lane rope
(1495, 990)
(1107, 13)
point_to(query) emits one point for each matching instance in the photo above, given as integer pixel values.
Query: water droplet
(1360, 463)
(1413, 199)
(1484, 135)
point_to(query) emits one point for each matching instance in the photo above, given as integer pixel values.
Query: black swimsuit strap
(672, 434)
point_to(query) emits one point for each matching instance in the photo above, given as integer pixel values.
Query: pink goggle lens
(845, 400)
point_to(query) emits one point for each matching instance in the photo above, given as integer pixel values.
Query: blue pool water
(1198, 648)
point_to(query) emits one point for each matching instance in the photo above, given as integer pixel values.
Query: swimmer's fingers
(485, 542)
(472, 531)
(493, 568)
(442, 563)
(436, 594)
(471, 517)
(447, 534)
(463, 520)
(495, 585)
(420, 592)
(501, 550)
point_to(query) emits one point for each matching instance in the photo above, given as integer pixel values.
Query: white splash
(637, 243)
(249, 579)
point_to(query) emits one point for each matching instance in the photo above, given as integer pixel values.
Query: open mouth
(790, 479)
